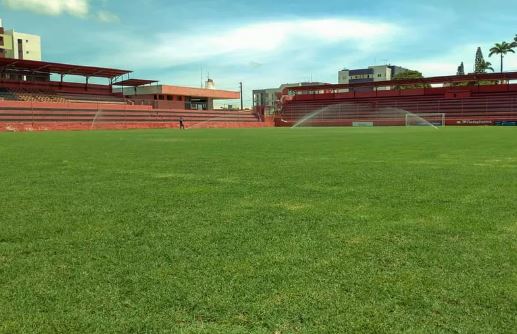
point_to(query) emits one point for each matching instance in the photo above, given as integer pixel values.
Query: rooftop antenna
(206, 86)
(201, 70)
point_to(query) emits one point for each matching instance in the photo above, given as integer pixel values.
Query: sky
(264, 43)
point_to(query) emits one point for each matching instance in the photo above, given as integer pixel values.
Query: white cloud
(255, 40)
(261, 54)
(107, 17)
(78, 8)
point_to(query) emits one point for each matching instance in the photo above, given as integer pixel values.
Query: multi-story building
(3, 41)
(370, 74)
(16, 45)
(268, 98)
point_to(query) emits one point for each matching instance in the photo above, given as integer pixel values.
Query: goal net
(427, 119)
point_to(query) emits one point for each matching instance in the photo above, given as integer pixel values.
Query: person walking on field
(182, 125)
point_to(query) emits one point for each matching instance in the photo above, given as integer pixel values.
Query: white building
(370, 74)
(268, 98)
(17, 45)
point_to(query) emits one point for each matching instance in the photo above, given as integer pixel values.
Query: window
(20, 49)
(362, 76)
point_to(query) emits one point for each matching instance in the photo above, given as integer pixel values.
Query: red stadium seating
(28, 116)
(483, 105)
(34, 106)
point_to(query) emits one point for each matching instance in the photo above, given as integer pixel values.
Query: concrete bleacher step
(108, 109)
(122, 116)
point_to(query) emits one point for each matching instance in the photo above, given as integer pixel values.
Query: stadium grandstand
(31, 100)
(474, 99)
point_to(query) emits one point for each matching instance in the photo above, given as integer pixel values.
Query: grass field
(259, 231)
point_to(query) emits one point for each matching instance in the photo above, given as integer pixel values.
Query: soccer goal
(427, 119)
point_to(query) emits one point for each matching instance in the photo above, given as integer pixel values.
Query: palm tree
(486, 66)
(502, 49)
(514, 44)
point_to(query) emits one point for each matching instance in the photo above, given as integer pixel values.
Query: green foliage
(486, 66)
(381, 230)
(486, 83)
(480, 60)
(482, 67)
(409, 75)
(502, 49)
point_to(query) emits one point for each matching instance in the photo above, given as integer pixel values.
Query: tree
(480, 59)
(514, 44)
(486, 66)
(482, 66)
(461, 69)
(410, 75)
(502, 49)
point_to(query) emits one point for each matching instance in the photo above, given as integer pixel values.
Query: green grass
(259, 231)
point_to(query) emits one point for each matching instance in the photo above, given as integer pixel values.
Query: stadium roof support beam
(135, 83)
(61, 69)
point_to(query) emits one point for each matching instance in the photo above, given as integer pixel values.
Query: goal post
(427, 119)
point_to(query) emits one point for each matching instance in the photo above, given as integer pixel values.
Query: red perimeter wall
(81, 126)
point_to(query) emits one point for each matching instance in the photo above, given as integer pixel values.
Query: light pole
(242, 101)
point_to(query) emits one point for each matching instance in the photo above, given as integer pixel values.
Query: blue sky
(263, 43)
